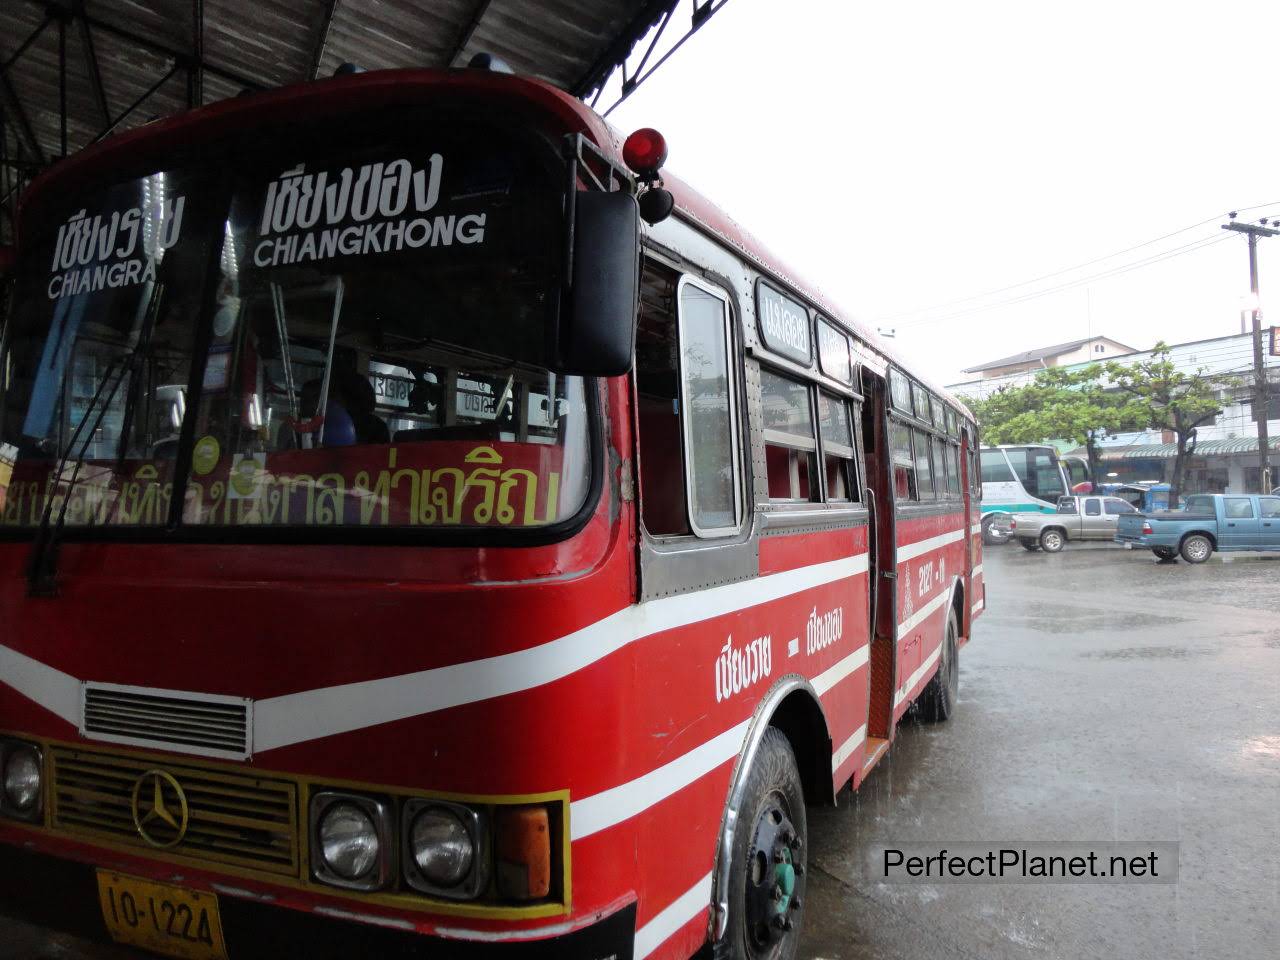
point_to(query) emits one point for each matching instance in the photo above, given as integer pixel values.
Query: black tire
(1165, 553)
(992, 535)
(772, 809)
(1052, 540)
(1196, 548)
(1031, 546)
(938, 701)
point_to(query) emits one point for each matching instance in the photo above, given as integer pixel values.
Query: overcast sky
(904, 155)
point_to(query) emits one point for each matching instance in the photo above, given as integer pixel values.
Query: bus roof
(322, 97)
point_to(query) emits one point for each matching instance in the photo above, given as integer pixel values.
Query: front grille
(171, 720)
(233, 818)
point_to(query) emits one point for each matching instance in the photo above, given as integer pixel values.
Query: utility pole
(1260, 402)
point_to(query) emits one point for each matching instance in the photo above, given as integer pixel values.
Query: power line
(1183, 250)
(1078, 266)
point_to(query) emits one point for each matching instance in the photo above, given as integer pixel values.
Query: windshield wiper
(42, 569)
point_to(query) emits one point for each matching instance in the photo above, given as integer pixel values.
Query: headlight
(22, 771)
(441, 846)
(445, 848)
(351, 841)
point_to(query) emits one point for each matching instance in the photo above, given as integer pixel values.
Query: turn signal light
(522, 847)
(1146, 526)
(645, 151)
(1013, 524)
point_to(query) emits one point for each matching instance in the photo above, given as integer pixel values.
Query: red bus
(406, 548)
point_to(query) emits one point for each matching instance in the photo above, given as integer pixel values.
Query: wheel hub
(776, 865)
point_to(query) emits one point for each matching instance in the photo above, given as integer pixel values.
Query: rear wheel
(994, 533)
(1197, 548)
(1052, 541)
(939, 698)
(1165, 553)
(767, 872)
(1029, 545)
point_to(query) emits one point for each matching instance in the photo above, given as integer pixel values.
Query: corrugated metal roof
(125, 48)
(1167, 451)
(1042, 353)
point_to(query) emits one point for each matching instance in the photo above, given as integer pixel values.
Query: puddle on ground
(1104, 620)
(1146, 653)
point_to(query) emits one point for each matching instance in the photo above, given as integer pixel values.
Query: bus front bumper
(62, 895)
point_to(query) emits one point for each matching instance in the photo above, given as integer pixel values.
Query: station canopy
(75, 71)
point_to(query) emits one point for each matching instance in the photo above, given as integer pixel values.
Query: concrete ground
(1104, 697)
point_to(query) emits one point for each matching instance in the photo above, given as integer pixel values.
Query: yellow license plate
(154, 916)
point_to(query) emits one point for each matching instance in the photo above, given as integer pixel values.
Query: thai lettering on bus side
(785, 325)
(95, 253)
(823, 631)
(736, 670)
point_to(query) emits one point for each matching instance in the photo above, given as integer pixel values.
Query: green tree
(1061, 403)
(1173, 399)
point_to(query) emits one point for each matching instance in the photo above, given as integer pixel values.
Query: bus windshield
(326, 336)
(1038, 470)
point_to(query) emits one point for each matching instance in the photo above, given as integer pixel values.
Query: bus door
(966, 492)
(882, 558)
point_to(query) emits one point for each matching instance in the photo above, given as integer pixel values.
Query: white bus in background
(1018, 479)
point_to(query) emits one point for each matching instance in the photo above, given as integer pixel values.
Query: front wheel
(1052, 541)
(767, 872)
(1031, 546)
(1197, 548)
(1165, 553)
(938, 701)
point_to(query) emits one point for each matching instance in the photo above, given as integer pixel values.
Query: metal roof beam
(136, 104)
(21, 122)
(22, 48)
(322, 39)
(195, 69)
(91, 64)
(467, 32)
(155, 46)
(617, 51)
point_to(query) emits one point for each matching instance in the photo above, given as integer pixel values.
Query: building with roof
(1225, 458)
(1059, 355)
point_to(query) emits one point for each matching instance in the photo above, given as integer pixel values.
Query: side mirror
(597, 333)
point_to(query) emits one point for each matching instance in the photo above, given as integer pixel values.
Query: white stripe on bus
(609, 808)
(845, 750)
(695, 900)
(977, 570)
(978, 606)
(909, 551)
(312, 714)
(923, 614)
(326, 711)
(916, 677)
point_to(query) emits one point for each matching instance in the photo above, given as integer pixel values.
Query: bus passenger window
(995, 468)
(924, 475)
(662, 478)
(790, 450)
(706, 395)
(839, 463)
(953, 469)
(939, 467)
(904, 464)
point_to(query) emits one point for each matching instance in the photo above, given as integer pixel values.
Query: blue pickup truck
(1207, 522)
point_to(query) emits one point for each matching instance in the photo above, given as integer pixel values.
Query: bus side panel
(930, 557)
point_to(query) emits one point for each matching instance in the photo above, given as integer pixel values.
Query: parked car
(1208, 522)
(1077, 518)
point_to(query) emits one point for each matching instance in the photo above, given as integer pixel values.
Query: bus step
(875, 750)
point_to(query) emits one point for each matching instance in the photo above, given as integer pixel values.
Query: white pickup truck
(1077, 518)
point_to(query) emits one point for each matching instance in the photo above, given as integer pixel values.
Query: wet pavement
(1105, 697)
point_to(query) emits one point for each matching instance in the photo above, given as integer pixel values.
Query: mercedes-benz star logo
(159, 802)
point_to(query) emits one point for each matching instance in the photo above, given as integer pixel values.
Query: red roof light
(645, 151)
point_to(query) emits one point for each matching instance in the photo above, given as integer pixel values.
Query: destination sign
(784, 324)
